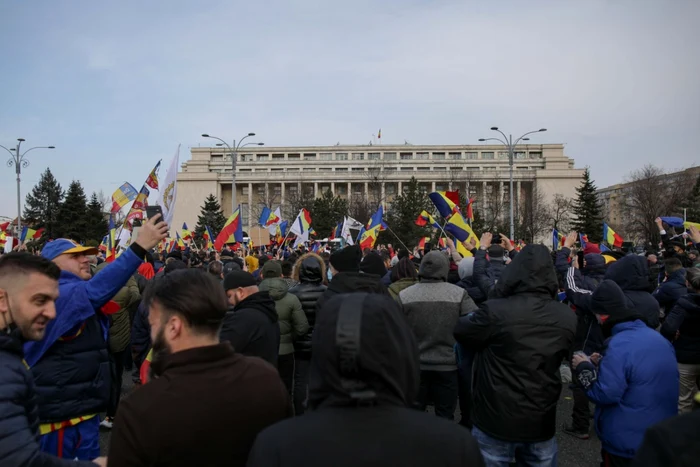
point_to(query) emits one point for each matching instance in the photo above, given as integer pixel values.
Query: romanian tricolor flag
(301, 223)
(111, 253)
(557, 240)
(368, 237)
(232, 231)
(611, 237)
(4, 226)
(123, 196)
(425, 218)
(422, 242)
(141, 201)
(281, 232)
(186, 234)
(377, 220)
(444, 205)
(208, 237)
(178, 240)
(459, 227)
(29, 234)
(152, 179)
(470, 210)
(268, 217)
(583, 239)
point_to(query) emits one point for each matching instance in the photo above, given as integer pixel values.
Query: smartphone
(579, 258)
(151, 212)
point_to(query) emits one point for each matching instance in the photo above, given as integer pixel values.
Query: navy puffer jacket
(631, 274)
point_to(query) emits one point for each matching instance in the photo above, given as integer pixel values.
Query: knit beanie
(591, 248)
(347, 259)
(496, 251)
(434, 266)
(466, 268)
(373, 264)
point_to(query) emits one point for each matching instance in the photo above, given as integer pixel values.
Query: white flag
(168, 189)
(273, 227)
(353, 224)
(345, 232)
(297, 227)
(9, 244)
(301, 239)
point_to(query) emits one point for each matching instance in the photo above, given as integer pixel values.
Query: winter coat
(401, 284)
(251, 327)
(631, 273)
(588, 278)
(386, 279)
(486, 272)
(636, 387)
(474, 292)
(671, 290)
(291, 318)
(673, 442)
(120, 322)
(19, 414)
(309, 290)
(521, 334)
(432, 309)
(684, 318)
(349, 282)
(140, 335)
(370, 422)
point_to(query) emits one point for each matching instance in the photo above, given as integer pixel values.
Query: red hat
(591, 248)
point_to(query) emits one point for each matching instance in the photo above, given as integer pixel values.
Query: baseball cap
(272, 269)
(237, 279)
(64, 246)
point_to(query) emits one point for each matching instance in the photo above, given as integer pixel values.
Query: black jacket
(521, 336)
(19, 415)
(309, 290)
(671, 290)
(349, 282)
(631, 273)
(671, 443)
(251, 327)
(365, 419)
(684, 319)
(474, 292)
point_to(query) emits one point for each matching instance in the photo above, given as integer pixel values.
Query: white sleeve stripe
(571, 283)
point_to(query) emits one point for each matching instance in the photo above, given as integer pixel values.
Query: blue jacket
(71, 363)
(671, 290)
(19, 416)
(636, 387)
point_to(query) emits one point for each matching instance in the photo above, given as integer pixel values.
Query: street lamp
(507, 141)
(19, 161)
(234, 155)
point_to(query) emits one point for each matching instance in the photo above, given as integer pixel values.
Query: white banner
(168, 189)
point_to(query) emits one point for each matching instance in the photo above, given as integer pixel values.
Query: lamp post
(234, 155)
(19, 161)
(507, 141)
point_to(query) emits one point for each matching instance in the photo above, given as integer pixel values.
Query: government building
(281, 176)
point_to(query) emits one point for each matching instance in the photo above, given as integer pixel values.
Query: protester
(465, 270)
(208, 403)
(655, 270)
(310, 272)
(71, 363)
(694, 257)
(520, 336)
(290, 316)
(673, 287)
(250, 325)
(636, 384)
(216, 269)
(682, 328)
(673, 442)
(432, 308)
(361, 397)
(403, 275)
(672, 249)
(631, 274)
(28, 292)
(287, 270)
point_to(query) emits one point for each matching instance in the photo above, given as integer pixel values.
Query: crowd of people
(292, 358)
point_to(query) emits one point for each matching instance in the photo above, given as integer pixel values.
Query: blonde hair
(297, 266)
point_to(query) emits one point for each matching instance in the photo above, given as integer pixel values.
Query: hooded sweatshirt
(349, 282)
(631, 273)
(684, 319)
(292, 320)
(361, 410)
(251, 327)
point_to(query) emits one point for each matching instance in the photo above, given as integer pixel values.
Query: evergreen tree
(587, 210)
(403, 213)
(41, 206)
(73, 221)
(692, 203)
(97, 226)
(326, 212)
(210, 215)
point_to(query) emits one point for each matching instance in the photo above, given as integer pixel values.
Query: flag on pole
(152, 179)
(458, 226)
(611, 237)
(186, 234)
(443, 204)
(111, 254)
(168, 195)
(141, 201)
(557, 240)
(123, 196)
(470, 210)
(29, 234)
(583, 239)
(379, 134)
(208, 237)
(232, 231)
(425, 218)
(301, 223)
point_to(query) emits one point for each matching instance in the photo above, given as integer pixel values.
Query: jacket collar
(627, 325)
(198, 355)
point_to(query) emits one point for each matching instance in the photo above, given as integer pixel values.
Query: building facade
(279, 176)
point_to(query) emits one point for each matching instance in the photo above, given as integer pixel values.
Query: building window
(277, 169)
(358, 156)
(260, 170)
(309, 157)
(535, 155)
(374, 171)
(261, 157)
(372, 156)
(244, 190)
(456, 167)
(245, 170)
(278, 157)
(472, 169)
(247, 158)
(326, 156)
(439, 156)
(503, 154)
(309, 169)
(406, 156)
(455, 156)
(440, 168)
(489, 169)
(341, 156)
(389, 156)
(519, 155)
(487, 155)
(389, 169)
(471, 155)
(261, 190)
(341, 169)
(358, 169)
(406, 169)
(293, 169)
(390, 189)
(423, 169)
(293, 157)
(441, 187)
(422, 156)
(341, 189)
(523, 168)
(294, 189)
(325, 169)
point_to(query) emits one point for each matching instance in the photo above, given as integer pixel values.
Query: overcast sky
(117, 85)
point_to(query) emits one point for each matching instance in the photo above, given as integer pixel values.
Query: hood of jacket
(378, 366)
(12, 341)
(276, 287)
(531, 271)
(348, 282)
(630, 273)
(595, 266)
(690, 303)
(310, 271)
(677, 277)
(259, 301)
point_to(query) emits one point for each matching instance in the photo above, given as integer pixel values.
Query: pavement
(572, 451)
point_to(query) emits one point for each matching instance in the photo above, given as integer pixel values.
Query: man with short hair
(28, 292)
(208, 402)
(673, 287)
(216, 269)
(250, 324)
(71, 363)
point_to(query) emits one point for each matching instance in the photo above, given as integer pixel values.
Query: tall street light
(234, 155)
(19, 161)
(507, 141)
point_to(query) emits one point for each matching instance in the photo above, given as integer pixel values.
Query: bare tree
(266, 197)
(650, 193)
(560, 210)
(361, 208)
(376, 175)
(534, 216)
(296, 200)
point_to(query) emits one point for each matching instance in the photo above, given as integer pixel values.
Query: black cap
(237, 279)
(347, 260)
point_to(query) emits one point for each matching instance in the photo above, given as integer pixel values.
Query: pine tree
(403, 213)
(96, 224)
(692, 203)
(73, 222)
(326, 212)
(587, 210)
(41, 206)
(210, 215)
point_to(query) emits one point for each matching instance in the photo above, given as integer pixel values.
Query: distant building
(274, 176)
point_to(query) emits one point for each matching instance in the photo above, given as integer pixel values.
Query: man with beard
(28, 292)
(208, 402)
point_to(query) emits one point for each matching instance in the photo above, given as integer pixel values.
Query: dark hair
(326, 256)
(385, 255)
(692, 275)
(19, 262)
(262, 259)
(194, 295)
(404, 269)
(672, 265)
(287, 268)
(215, 268)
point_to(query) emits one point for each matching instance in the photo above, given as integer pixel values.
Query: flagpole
(397, 238)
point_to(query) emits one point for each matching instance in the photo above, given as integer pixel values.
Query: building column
(366, 190)
(349, 190)
(282, 196)
(517, 194)
(432, 187)
(483, 190)
(315, 190)
(383, 194)
(250, 205)
(400, 188)
(333, 188)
